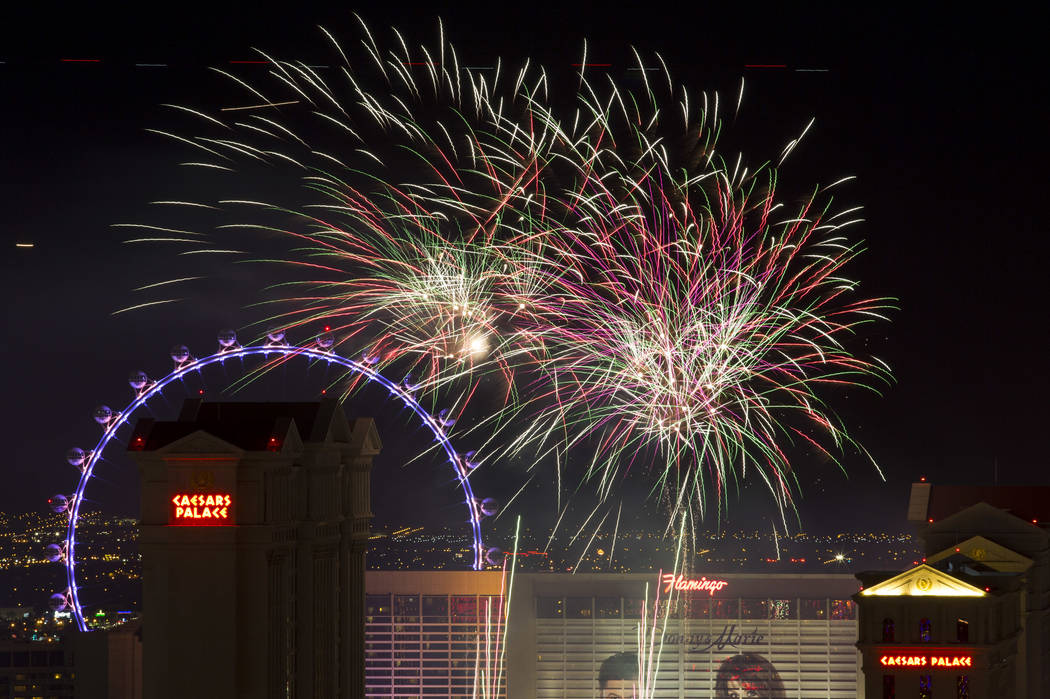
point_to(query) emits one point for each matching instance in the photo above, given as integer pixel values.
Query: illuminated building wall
(36, 669)
(972, 620)
(562, 627)
(254, 523)
(104, 663)
(792, 631)
(426, 632)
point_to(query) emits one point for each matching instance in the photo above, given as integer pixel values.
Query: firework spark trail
(491, 652)
(651, 634)
(638, 291)
(420, 255)
(692, 320)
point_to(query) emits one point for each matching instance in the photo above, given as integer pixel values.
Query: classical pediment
(923, 581)
(987, 553)
(981, 517)
(199, 443)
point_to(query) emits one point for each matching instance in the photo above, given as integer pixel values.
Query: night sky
(942, 119)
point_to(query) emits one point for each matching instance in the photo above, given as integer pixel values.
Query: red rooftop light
(931, 520)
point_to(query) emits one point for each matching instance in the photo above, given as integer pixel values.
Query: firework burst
(691, 320)
(645, 296)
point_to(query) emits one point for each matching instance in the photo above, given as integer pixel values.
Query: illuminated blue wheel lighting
(145, 390)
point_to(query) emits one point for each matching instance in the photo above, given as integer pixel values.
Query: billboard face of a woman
(748, 676)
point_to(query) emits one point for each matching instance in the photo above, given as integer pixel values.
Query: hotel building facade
(255, 517)
(427, 633)
(973, 619)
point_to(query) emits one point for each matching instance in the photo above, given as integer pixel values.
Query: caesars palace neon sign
(927, 660)
(199, 506)
(681, 583)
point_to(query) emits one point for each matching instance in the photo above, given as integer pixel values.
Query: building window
(490, 607)
(843, 609)
(725, 609)
(406, 608)
(607, 607)
(579, 607)
(887, 630)
(377, 607)
(463, 609)
(634, 608)
(435, 608)
(550, 607)
(889, 687)
(925, 687)
(962, 687)
(783, 609)
(699, 608)
(924, 630)
(814, 609)
(962, 631)
(754, 609)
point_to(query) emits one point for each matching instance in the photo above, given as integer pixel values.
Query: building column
(359, 499)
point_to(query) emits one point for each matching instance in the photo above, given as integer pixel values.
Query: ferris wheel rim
(459, 461)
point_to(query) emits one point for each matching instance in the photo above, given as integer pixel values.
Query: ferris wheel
(144, 389)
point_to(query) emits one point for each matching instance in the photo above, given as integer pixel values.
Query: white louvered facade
(562, 627)
(813, 658)
(426, 633)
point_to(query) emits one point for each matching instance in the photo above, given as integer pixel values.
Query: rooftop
(249, 426)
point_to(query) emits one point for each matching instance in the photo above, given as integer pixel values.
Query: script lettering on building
(201, 508)
(937, 660)
(730, 637)
(684, 584)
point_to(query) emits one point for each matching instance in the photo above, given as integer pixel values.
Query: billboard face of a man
(619, 689)
(618, 677)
